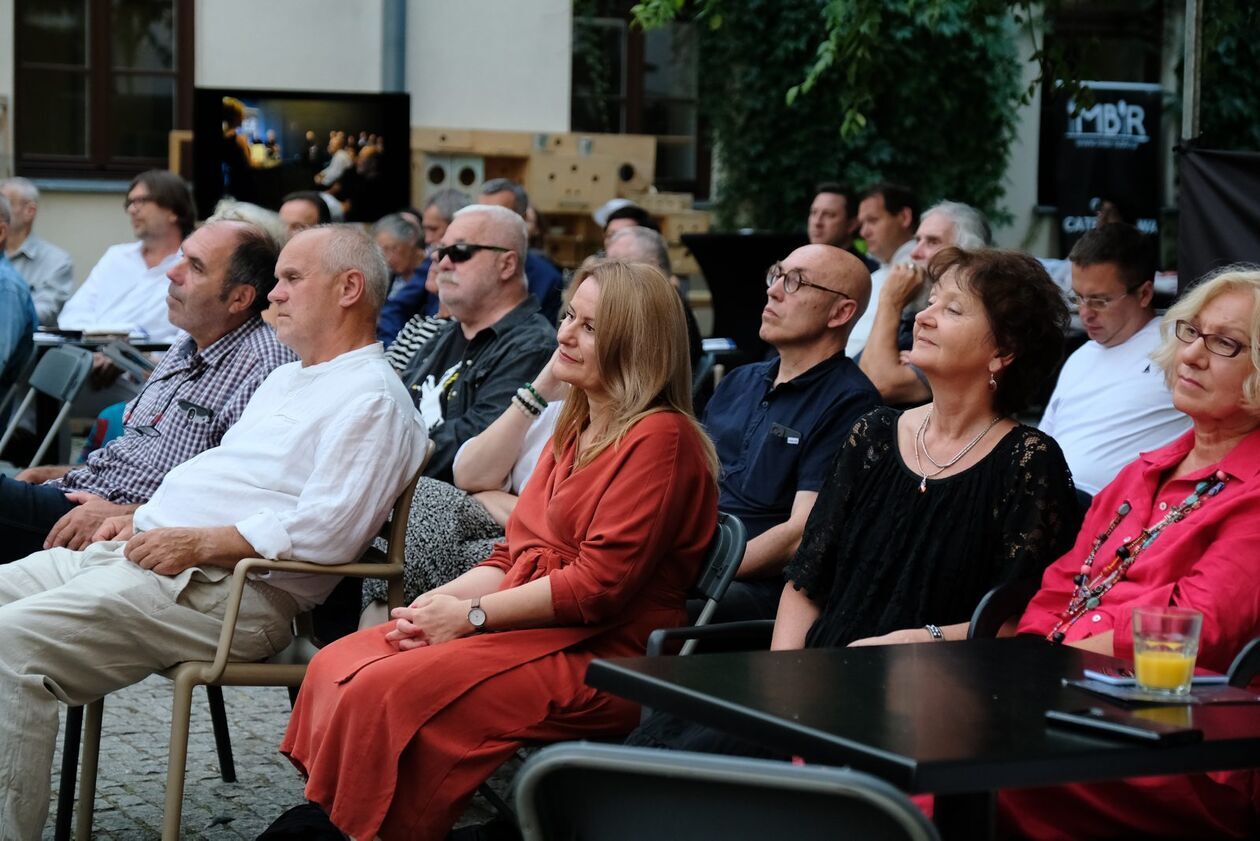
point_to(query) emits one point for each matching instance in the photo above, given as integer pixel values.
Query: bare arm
(951, 632)
(1103, 643)
(500, 504)
(485, 463)
(881, 360)
(39, 475)
(438, 617)
(768, 553)
(797, 614)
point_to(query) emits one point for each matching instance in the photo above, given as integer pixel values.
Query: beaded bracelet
(525, 406)
(936, 632)
(527, 397)
(541, 400)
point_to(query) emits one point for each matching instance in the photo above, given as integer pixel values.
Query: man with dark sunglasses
(466, 375)
(217, 291)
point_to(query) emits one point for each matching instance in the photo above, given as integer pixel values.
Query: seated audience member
(608, 536)
(309, 471)
(546, 282)
(778, 425)
(197, 392)
(301, 210)
(453, 527)
(410, 301)
(466, 375)
(341, 160)
(888, 214)
(127, 287)
(417, 332)
(17, 315)
(926, 510)
(46, 268)
(1111, 401)
(1179, 527)
(833, 220)
(400, 240)
(626, 215)
(636, 244)
(268, 221)
(944, 224)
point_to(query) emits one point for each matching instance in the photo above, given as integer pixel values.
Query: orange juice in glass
(1165, 644)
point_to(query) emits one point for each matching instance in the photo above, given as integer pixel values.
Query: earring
(992, 383)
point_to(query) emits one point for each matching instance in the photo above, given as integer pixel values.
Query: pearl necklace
(921, 444)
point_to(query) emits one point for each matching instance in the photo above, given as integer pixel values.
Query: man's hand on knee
(170, 551)
(40, 475)
(78, 526)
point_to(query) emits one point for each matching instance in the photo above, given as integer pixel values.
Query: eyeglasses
(1094, 302)
(794, 279)
(1214, 342)
(462, 252)
(140, 200)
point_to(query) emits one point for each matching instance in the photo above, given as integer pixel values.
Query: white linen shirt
(122, 291)
(310, 470)
(1110, 405)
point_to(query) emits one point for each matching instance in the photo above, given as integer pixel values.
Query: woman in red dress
(397, 725)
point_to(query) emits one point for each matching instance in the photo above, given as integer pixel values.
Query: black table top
(937, 717)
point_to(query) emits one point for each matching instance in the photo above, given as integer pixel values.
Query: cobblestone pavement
(132, 779)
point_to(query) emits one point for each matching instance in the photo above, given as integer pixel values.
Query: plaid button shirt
(186, 405)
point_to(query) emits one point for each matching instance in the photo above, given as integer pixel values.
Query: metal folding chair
(59, 374)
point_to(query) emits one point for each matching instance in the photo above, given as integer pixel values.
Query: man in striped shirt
(218, 288)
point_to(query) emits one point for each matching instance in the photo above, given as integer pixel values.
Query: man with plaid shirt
(218, 289)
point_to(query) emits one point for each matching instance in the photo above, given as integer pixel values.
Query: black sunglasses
(462, 252)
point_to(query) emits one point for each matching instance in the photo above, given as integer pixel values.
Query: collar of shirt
(1241, 464)
(185, 349)
(520, 313)
(28, 249)
(801, 380)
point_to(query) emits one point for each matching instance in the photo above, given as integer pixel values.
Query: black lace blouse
(879, 556)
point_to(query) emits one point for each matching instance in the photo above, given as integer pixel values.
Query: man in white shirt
(888, 214)
(1111, 402)
(309, 472)
(46, 268)
(127, 287)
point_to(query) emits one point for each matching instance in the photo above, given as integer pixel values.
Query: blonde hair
(642, 356)
(1237, 278)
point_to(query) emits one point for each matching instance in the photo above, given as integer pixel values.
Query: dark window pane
(142, 115)
(675, 161)
(53, 119)
(53, 31)
(143, 34)
(669, 62)
(599, 57)
(660, 117)
(599, 115)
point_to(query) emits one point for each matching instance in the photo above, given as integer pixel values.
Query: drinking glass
(1165, 644)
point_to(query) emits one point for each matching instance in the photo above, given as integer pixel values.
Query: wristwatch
(477, 616)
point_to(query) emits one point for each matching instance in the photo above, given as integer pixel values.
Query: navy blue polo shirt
(775, 441)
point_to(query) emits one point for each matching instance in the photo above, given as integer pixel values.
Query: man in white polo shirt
(1111, 402)
(309, 471)
(127, 287)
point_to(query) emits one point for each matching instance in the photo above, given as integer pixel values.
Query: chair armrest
(1246, 665)
(753, 631)
(1000, 604)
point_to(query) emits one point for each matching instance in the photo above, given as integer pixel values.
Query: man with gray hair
(638, 244)
(46, 268)
(465, 376)
(309, 471)
(546, 282)
(905, 292)
(411, 298)
(17, 313)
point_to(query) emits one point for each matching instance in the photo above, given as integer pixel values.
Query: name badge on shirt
(196, 414)
(787, 433)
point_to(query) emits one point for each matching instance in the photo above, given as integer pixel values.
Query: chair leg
(91, 758)
(69, 772)
(496, 802)
(222, 737)
(181, 710)
(293, 693)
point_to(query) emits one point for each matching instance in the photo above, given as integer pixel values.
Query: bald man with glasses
(466, 375)
(1111, 403)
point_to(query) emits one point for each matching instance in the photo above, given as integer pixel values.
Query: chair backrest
(1000, 604)
(615, 793)
(725, 555)
(62, 372)
(1246, 665)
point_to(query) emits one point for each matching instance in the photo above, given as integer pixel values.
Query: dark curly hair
(1025, 310)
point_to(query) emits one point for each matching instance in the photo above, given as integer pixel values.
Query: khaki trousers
(75, 626)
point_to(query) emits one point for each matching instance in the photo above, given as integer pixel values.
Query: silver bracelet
(936, 632)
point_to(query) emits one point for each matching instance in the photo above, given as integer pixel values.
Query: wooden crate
(663, 204)
(674, 225)
(441, 140)
(635, 155)
(571, 183)
(682, 262)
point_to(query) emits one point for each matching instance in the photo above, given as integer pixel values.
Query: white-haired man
(465, 376)
(309, 471)
(904, 293)
(47, 269)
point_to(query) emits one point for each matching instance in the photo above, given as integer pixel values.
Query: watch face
(477, 617)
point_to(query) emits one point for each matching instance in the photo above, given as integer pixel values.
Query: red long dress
(395, 743)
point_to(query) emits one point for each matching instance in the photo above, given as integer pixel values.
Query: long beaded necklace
(920, 444)
(1087, 594)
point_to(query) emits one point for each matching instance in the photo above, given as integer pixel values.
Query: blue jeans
(27, 513)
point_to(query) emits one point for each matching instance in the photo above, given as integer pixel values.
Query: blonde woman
(397, 725)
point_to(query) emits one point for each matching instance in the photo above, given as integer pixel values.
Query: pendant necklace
(921, 444)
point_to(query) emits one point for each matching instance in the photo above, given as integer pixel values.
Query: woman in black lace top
(926, 510)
